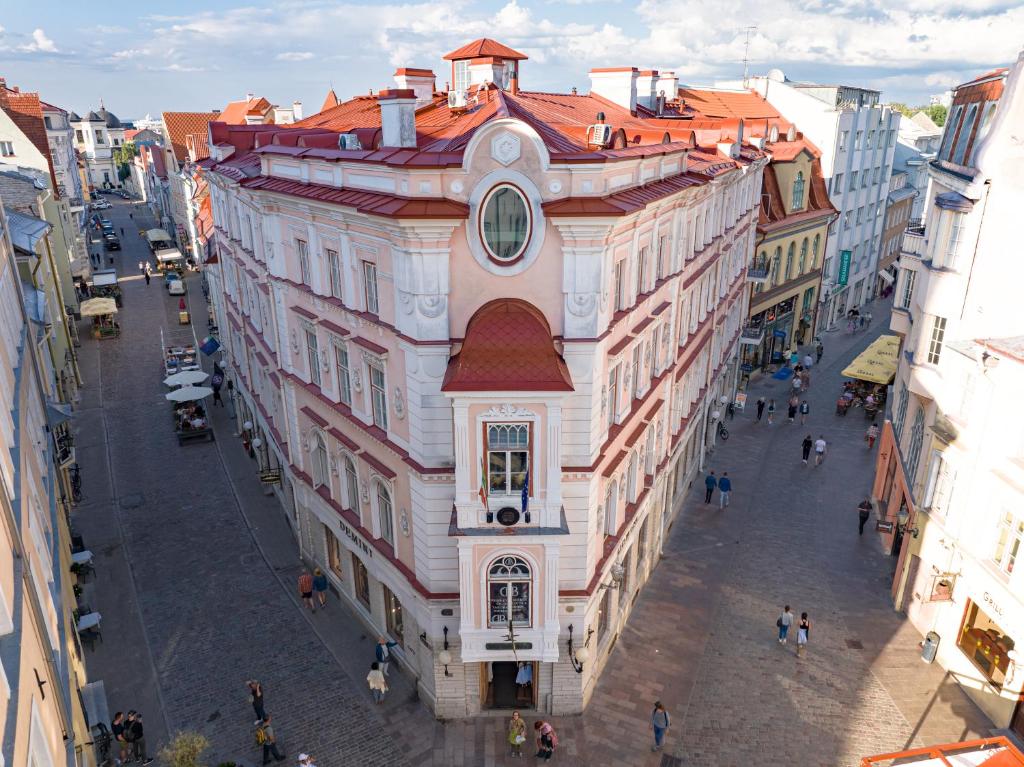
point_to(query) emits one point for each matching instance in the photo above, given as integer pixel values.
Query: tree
(937, 112)
(185, 750)
(123, 156)
(902, 108)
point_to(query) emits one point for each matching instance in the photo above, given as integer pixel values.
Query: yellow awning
(878, 362)
(97, 307)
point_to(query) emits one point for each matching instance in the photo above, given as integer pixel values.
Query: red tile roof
(773, 205)
(485, 46)
(757, 114)
(179, 125)
(330, 101)
(235, 112)
(26, 112)
(375, 203)
(508, 346)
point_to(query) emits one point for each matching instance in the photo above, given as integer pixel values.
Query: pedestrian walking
(864, 510)
(783, 622)
(660, 722)
(871, 435)
(319, 583)
(794, 402)
(798, 383)
(217, 381)
(794, 358)
(122, 230)
(256, 699)
(808, 360)
(516, 734)
(805, 448)
(547, 740)
(805, 410)
(771, 411)
(820, 446)
(267, 738)
(383, 654)
(146, 276)
(710, 483)
(724, 488)
(117, 732)
(819, 349)
(378, 684)
(306, 589)
(730, 410)
(760, 407)
(867, 320)
(136, 736)
(131, 216)
(805, 380)
(802, 633)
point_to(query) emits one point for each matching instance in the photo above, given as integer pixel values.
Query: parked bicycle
(723, 432)
(75, 475)
(102, 740)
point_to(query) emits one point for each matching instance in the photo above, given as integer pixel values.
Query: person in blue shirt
(724, 488)
(383, 653)
(710, 483)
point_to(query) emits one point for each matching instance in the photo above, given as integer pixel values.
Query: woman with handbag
(516, 734)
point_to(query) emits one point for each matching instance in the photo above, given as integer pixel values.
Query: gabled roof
(485, 47)
(26, 111)
(235, 112)
(772, 215)
(330, 100)
(178, 125)
(508, 347)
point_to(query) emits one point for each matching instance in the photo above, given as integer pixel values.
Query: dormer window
(798, 191)
(461, 74)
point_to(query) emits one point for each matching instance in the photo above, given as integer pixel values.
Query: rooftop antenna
(747, 31)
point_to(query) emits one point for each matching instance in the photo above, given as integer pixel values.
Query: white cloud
(40, 43)
(294, 56)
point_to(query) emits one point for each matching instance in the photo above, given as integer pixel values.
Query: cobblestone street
(196, 570)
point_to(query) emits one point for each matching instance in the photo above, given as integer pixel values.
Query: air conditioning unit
(349, 141)
(600, 134)
(457, 99)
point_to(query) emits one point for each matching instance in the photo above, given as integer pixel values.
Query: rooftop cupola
(484, 61)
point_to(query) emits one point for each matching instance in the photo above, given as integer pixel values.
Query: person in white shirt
(820, 446)
(784, 622)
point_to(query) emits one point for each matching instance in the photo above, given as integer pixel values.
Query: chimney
(618, 85)
(513, 82)
(420, 81)
(250, 96)
(669, 83)
(646, 93)
(398, 118)
(297, 110)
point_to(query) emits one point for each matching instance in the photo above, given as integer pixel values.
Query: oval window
(505, 223)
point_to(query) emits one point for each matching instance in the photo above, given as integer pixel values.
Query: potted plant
(185, 750)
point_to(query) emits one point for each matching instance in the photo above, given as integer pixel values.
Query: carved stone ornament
(357, 381)
(508, 411)
(457, 187)
(399, 404)
(334, 465)
(622, 489)
(295, 341)
(627, 379)
(403, 522)
(432, 306)
(405, 299)
(364, 493)
(581, 304)
(555, 187)
(505, 148)
(647, 355)
(604, 400)
(325, 363)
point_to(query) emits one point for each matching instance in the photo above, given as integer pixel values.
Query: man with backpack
(266, 738)
(135, 736)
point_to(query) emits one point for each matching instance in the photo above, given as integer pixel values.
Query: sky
(155, 56)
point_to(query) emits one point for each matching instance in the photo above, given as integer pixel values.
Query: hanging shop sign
(270, 476)
(844, 267)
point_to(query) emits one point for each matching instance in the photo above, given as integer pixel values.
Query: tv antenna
(747, 32)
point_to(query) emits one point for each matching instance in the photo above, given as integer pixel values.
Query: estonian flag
(526, 492)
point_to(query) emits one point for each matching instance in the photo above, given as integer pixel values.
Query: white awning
(886, 277)
(170, 254)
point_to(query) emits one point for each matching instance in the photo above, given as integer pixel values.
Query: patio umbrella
(186, 378)
(97, 307)
(189, 393)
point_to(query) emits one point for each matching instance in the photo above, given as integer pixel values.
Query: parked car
(101, 205)
(176, 288)
(110, 242)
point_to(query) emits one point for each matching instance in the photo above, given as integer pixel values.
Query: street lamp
(444, 656)
(902, 520)
(617, 573)
(579, 656)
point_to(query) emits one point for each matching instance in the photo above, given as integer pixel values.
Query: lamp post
(902, 520)
(579, 655)
(444, 656)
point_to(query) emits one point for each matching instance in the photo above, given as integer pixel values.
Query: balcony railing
(757, 273)
(64, 445)
(752, 335)
(913, 242)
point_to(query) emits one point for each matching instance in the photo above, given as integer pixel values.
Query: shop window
(508, 457)
(985, 645)
(1011, 533)
(508, 592)
(351, 484)
(362, 581)
(393, 616)
(333, 552)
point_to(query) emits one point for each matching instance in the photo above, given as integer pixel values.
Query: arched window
(351, 484)
(902, 401)
(790, 253)
(776, 262)
(803, 256)
(798, 191)
(608, 524)
(508, 456)
(965, 135)
(631, 479)
(321, 472)
(814, 251)
(385, 514)
(508, 592)
(916, 439)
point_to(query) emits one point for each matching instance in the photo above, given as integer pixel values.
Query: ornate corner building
(482, 337)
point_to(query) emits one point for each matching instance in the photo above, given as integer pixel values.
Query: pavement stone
(197, 568)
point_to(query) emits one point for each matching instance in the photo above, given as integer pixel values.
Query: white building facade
(857, 139)
(950, 474)
(483, 361)
(97, 135)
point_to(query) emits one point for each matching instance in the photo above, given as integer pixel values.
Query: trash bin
(930, 647)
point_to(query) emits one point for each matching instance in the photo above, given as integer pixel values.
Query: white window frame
(351, 482)
(613, 394)
(1008, 541)
(319, 461)
(370, 287)
(939, 484)
(936, 339)
(378, 395)
(313, 355)
(384, 508)
(343, 373)
(305, 272)
(909, 278)
(334, 271)
(519, 427)
(515, 576)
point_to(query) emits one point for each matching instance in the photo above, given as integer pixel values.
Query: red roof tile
(179, 125)
(485, 46)
(508, 347)
(235, 112)
(26, 112)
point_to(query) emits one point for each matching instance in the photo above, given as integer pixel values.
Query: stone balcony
(913, 242)
(757, 273)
